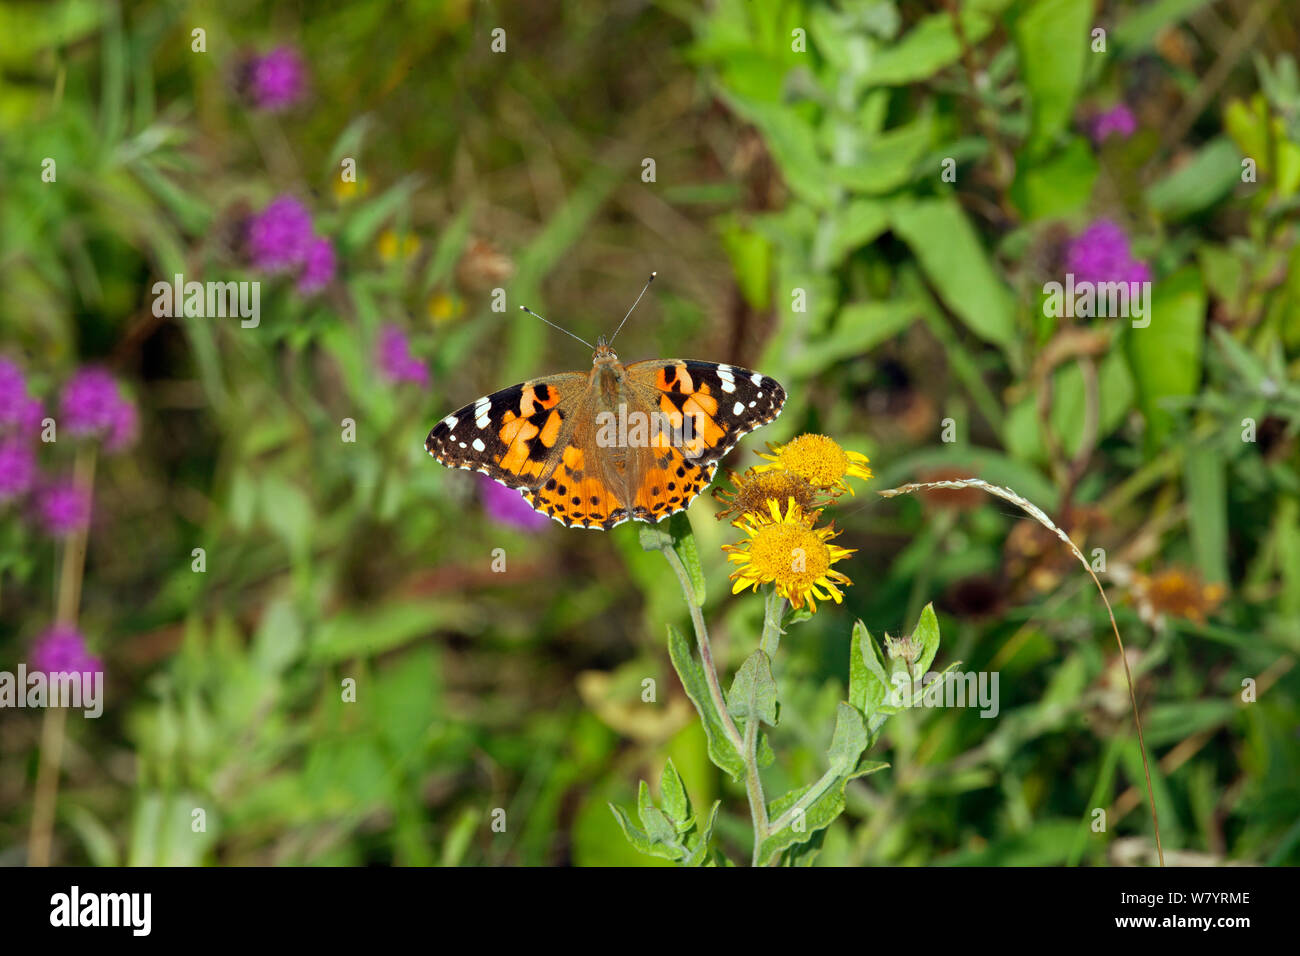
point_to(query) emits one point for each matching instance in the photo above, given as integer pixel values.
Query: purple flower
(506, 506)
(61, 650)
(1101, 254)
(19, 412)
(17, 469)
(277, 80)
(1118, 120)
(395, 361)
(93, 405)
(280, 235)
(318, 267)
(62, 508)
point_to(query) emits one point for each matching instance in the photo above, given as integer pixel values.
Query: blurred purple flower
(62, 507)
(19, 412)
(1118, 120)
(92, 404)
(280, 236)
(395, 361)
(17, 469)
(506, 506)
(62, 650)
(277, 80)
(1101, 254)
(318, 267)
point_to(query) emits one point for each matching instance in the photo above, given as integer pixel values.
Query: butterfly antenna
(524, 308)
(634, 304)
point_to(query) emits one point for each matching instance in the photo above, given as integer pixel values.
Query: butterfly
(621, 442)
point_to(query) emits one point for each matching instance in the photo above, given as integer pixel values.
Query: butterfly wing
(540, 438)
(713, 405)
(514, 436)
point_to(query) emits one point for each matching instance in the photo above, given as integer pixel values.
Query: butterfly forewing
(513, 435)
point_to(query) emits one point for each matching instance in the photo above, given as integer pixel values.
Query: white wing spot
(757, 379)
(450, 421)
(740, 407)
(478, 444)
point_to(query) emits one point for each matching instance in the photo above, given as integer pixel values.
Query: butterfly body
(593, 450)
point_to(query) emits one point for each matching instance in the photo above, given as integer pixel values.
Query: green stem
(754, 787)
(706, 650)
(746, 745)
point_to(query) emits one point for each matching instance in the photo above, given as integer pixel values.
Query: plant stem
(754, 787)
(706, 650)
(67, 602)
(746, 745)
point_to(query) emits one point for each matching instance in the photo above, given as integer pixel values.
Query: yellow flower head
(445, 308)
(392, 246)
(819, 461)
(346, 190)
(1178, 592)
(788, 550)
(755, 489)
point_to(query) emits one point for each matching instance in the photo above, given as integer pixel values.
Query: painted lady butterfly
(593, 449)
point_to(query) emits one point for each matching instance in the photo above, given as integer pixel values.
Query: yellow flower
(786, 549)
(1177, 592)
(345, 189)
(393, 247)
(755, 488)
(445, 308)
(818, 460)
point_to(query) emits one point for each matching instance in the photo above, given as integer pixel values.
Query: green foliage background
(776, 170)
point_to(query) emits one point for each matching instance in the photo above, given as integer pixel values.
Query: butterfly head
(604, 354)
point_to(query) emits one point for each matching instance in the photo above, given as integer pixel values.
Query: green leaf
(721, 752)
(792, 143)
(927, 635)
(1057, 186)
(849, 739)
(881, 163)
(931, 45)
(700, 854)
(1206, 178)
(751, 258)
(1204, 479)
(451, 245)
(1052, 38)
(364, 224)
(953, 259)
(1139, 26)
(854, 225)
(1165, 357)
(643, 841)
(753, 690)
(820, 803)
(686, 548)
(673, 794)
(859, 328)
(868, 676)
